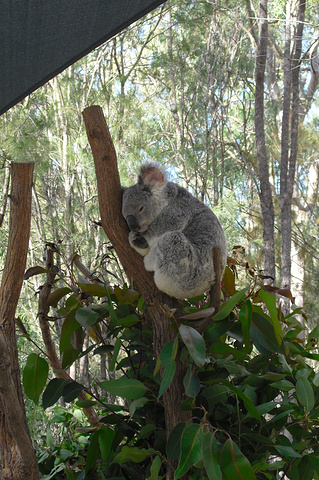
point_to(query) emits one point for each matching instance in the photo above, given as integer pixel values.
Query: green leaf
(287, 451)
(270, 302)
(215, 394)
(168, 352)
(195, 344)
(229, 305)
(69, 356)
(173, 446)
(92, 453)
(168, 375)
(128, 321)
(95, 289)
(71, 391)
(263, 335)
(304, 392)
(133, 454)
(234, 465)
(117, 346)
(245, 315)
(106, 438)
(53, 391)
(283, 385)
(35, 271)
(55, 296)
(155, 468)
(191, 448)
(210, 454)
(86, 317)
(125, 387)
(248, 403)
(35, 374)
(70, 325)
(191, 383)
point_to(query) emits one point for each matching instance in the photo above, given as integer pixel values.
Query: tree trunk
(115, 227)
(17, 456)
(265, 192)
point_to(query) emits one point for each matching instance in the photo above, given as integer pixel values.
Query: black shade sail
(40, 38)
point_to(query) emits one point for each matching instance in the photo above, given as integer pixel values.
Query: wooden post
(17, 456)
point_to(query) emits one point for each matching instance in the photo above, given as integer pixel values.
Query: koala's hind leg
(176, 266)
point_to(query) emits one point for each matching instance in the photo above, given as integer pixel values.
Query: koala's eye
(141, 208)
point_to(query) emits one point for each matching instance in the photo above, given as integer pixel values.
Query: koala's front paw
(139, 243)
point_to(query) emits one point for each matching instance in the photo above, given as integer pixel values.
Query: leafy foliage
(250, 386)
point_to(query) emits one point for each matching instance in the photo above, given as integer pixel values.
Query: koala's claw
(138, 242)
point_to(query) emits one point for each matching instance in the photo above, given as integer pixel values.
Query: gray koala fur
(174, 231)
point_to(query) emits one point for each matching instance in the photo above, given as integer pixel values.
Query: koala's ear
(152, 176)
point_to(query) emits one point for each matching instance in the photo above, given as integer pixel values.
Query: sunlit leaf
(234, 465)
(229, 305)
(56, 296)
(133, 454)
(191, 448)
(229, 281)
(195, 344)
(95, 289)
(35, 374)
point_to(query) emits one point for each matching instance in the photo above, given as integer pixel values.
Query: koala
(174, 231)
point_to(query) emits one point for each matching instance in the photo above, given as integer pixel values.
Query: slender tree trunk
(289, 135)
(265, 192)
(17, 456)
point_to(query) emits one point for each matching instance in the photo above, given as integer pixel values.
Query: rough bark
(265, 191)
(17, 456)
(115, 227)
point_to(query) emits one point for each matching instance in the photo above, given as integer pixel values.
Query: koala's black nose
(132, 222)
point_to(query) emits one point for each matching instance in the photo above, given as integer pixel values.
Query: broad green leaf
(128, 321)
(287, 451)
(191, 448)
(146, 431)
(195, 344)
(263, 335)
(191, 383)
(173, 446)
(129, 296)
(304, 392)
(56, 295)
(133, 454)
(168, 375)
(86, 317)
(234, 465)
(210, 454)
(92, 453)
(53, 391)
(138, 403)
(283, 385)
(95, 289)
(168, 352)
(216, 329)
(69, 326)
(229, 305)
(106, 438)
(125, 387)
(69, 355)
(155, 468)
(35, 374)
(71, 391)
(270, 303)
(223, 350)
(214, 394)
(306, 468)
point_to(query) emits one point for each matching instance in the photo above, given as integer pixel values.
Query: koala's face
(138, 208)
